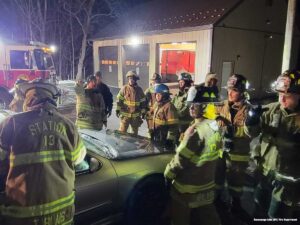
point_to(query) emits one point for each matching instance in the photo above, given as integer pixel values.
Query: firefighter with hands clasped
(165, 119)
(179, 101)
(234, 161)
(150, 98)
(131, 104)
(278, 157)
(90, 106)
(39, 149)
(191, 172)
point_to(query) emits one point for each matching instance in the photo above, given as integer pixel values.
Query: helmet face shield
(163, 90)
(238, 83)
(39, 84)
(133, 74)
(288, 82)
(156, 77)
(283, 84)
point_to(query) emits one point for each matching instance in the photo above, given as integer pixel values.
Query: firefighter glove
(168, 183)
(108, 113)
(151, 133)
(143, 116)
(169, 145)
(118, 113)
(228, 145)
(254, 114)
(228, 138)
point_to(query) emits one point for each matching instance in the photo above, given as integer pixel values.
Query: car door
(96, 190)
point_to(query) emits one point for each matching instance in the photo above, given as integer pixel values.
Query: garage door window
(175, 58)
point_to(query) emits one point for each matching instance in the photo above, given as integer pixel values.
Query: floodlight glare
(135, 40)
(53, 48)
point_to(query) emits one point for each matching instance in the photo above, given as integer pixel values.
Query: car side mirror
(95, 165)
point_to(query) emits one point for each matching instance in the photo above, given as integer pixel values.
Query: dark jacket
(107, 96)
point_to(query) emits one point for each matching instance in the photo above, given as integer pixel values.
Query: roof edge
(158, 32)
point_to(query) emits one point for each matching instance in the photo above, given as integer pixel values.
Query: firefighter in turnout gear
(131, 104)
(208, 91)
(90, 106)
(191, 172)
(16, 104)
(150, 98)
(180, 101)
(39, 149)
(279, 156)
(165, 119)
(234, 161)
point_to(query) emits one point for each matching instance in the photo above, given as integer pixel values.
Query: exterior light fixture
(53, 48)
(134, 41)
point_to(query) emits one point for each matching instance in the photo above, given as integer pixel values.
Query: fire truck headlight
(53, 48)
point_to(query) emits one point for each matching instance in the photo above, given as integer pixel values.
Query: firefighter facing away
(234, 161)
(278, 157)
(90, 106)
(39, 149)
(131, 104)
(184, 82)
(165, 119)
(191, 172)
(150, 98)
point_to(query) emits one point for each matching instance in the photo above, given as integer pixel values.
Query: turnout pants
(135, 123)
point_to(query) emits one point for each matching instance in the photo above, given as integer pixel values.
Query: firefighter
(90, 106)
(131, 104)
(211, 80)
(150, 98)
(234, 161)
(39, 149)
(180, 101)
(105, 92)
(16, 104)
(208, 90)
(279, 156)
(165, 119)
(191, 172)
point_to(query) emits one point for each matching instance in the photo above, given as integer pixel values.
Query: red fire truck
(25, 62)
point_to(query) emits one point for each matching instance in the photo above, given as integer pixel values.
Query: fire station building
(196, 36)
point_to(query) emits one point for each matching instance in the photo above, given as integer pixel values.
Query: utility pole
(288, 38)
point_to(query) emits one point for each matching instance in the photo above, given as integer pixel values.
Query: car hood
(116, 145)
